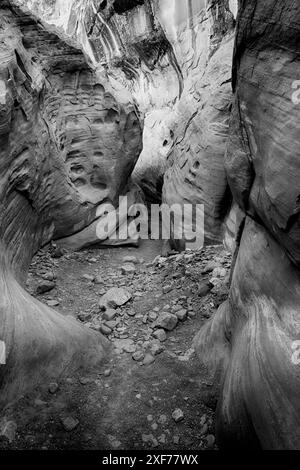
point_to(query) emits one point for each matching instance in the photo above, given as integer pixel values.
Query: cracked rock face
(253, 333)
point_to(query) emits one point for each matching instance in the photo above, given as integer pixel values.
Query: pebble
(210, 441)
(160, 335)
(149, 359)
(204, 289)
(105, 330)
(178, 415)
(128, 269)
(49, 276)
(111, 324)
(130, 260)
(114, 297)
(88, 277)
(84, 316)
(149, 439)
(167, 321)
(138, 356)
(52, 303)
(45, 286)
(162, 419)
(181, 314)
(85, 380)
(156, 349)
(8, 429)
(166, 289)
(109, 314)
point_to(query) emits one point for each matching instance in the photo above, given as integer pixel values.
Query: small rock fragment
(128, 269)
(210, 441)
(160, 335)
(105, 330)
(149, 359)
(109, 314)
(138, 356)
(181, 314)
(45, 286)
(8, 429)
(69, 423)
(167, 321)
(178, 415)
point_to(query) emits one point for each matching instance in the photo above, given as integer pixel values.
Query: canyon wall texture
(252, 335)
(239, 155)
(66, 146)
(173, 60)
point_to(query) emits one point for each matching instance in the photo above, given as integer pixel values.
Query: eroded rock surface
(253, 332)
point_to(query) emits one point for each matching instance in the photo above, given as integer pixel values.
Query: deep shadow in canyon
(186, 102)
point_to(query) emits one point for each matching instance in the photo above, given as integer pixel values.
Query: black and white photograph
(149, 230)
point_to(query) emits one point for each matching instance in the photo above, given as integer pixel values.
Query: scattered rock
(111, 324)
(162, 419)
(160, 335)
(128, 269)
(181, 314)
(98, 280)
(178, 415)
(53, 387)
(152, 316)
(209, 267)
(45, 286)
(204, 289)
(89, 277)
(114, 442)
(157, 348)
(105, 330)
(57, 252)
(124, 345)
(166, 289)
(109, 314)
(39, 402)
(84, 316)
(130, 260)
(85, 380)
(149, 359)
(210, 441)
(114, 297)
(138, 356)
(167, 321)
(52, 303)
(107, 372)
(48, 276)
(149, 439)
(69, 423)
(8, 429)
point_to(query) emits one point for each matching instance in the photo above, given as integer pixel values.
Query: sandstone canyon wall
(66, 146)
(252, 334)
(200, 146)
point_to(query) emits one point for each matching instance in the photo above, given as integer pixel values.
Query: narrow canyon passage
(125, 119)
(150, 392)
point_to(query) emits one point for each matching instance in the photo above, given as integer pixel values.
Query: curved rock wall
(259, 323)
(66, 146)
